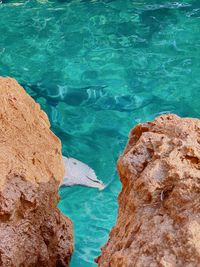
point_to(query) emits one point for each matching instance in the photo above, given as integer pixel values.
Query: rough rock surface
(158, 220)
(32, 230)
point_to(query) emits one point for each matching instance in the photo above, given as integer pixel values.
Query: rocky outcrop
(32, 230)
(158, 220)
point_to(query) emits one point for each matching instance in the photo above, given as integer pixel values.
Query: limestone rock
(158, 220)
(32, 230)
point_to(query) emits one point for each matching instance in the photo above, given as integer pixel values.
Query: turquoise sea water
(98, 68)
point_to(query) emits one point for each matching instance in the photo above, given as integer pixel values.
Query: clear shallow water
(98, 68)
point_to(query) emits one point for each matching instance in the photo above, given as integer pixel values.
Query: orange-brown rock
(158, 220)
(32, 230)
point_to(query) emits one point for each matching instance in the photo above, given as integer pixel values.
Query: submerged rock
(158, 220)
(33, 232)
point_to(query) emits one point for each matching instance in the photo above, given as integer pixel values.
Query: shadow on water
(156, 19)
(95, 97)
(55, 94)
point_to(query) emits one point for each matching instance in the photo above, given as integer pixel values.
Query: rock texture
(158, 220)
(32, 230)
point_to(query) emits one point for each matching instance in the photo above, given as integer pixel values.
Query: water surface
(98, 68)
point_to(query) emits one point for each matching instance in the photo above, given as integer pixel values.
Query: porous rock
(33, 232)
(158, 220)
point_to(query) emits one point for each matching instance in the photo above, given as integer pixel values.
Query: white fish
(78, 173)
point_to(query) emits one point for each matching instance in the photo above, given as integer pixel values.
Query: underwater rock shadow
(69, 95)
